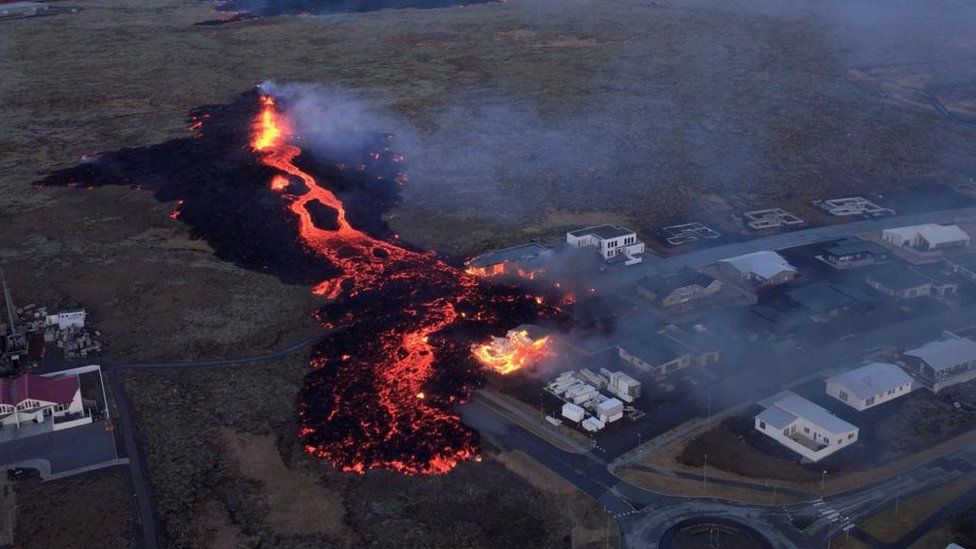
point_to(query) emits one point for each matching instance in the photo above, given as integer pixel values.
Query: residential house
(927, 237)
(669, 350)
(31, 397)
(897, 280)
(853, 252)
(944, 280)
(763, 268)
(824, 301)
(616, 244)
(656, 353)
(870, 385)
(804, 427)
(943, 363)
(678, 287)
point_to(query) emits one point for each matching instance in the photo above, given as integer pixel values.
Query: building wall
(839, 391)
(837, 442)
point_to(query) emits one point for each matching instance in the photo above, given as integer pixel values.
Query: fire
(517, 350)
(269, 128)
(279, 183)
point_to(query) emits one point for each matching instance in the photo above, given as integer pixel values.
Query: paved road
(644, 516)
(293, 348)
(145, 511)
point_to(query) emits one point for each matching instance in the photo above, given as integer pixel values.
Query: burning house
(521, 347)
(525, 260)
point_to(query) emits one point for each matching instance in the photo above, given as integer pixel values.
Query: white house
(615, 243)
(927, 237)
(870, 385)
(32, 397)
(763, 268)
(943, 363)
(73, 318)
(805, 428)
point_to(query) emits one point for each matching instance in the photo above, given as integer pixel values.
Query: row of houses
(814, 433)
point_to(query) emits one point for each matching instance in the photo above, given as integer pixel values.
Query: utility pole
(640, 448)
(705, 473)
(823, 480)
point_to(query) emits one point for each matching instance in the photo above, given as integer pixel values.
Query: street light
(823, 479)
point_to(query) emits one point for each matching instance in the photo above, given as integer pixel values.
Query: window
(850, 436)
(869, 401)
(806, 430)
(843, 396)
(762, 425)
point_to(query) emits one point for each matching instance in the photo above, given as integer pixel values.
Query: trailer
(572, 412)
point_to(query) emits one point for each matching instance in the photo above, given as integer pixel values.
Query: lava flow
(391, 367)
(396, 354)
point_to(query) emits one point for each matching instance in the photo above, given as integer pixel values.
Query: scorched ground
(400, 323)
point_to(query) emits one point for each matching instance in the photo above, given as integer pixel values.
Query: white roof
(944, 354)
(803, 408)
(932, 233)
(609, 405)
(872, 380)
(765, 263)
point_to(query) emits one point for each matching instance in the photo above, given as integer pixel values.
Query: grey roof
(897, 277)
(803, 408)
(872, 379)
(655, 349)
(515, 253)
(946, 353)
(764, 263)
(820, 297)
(777, 417)
(602, 231)
(854, 246)
(664, 285)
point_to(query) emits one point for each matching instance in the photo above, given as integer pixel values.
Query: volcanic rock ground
(529, 116)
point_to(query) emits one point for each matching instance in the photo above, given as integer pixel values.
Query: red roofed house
(33, 397)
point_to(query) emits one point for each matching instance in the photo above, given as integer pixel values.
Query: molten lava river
(403, 326)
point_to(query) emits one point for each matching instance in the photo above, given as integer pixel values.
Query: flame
(505, 355)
